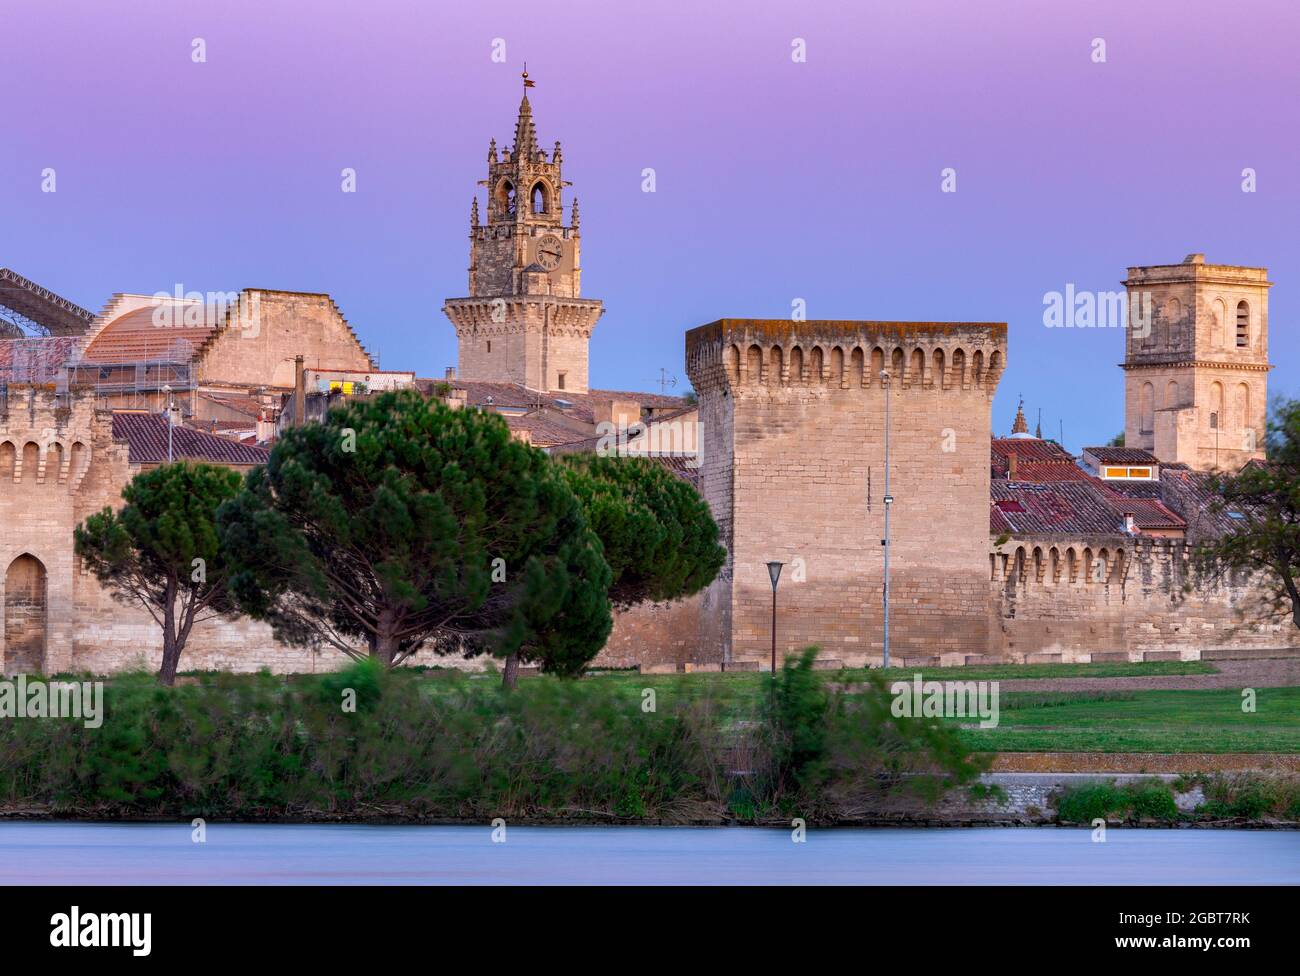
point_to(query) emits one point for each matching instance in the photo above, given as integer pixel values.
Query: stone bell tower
(1196, 363)
(524, 320)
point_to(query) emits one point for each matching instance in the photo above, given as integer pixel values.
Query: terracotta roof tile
(1122, 455)
(146, 435)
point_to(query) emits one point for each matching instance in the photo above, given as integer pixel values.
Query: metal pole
(889, 501)
(167, 390)
(774, 631)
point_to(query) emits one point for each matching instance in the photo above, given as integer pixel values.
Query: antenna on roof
(666, 379)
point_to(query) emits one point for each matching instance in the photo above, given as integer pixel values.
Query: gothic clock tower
(524, 320)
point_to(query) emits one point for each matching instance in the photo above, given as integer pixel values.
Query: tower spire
(525, 131)
(1020, 425)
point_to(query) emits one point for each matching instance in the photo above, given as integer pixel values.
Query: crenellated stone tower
(1196, 380)
(792, 427)
(524, 320)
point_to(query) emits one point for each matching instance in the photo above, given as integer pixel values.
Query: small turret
(492, 151)
(473, 214)
(574, 222)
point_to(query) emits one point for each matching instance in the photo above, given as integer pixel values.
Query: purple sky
(775, 180)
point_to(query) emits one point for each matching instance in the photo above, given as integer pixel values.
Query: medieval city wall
(1071, 598)
(799, 477)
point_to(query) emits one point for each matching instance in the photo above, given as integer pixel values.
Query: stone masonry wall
(805, 452)
(1070, 598)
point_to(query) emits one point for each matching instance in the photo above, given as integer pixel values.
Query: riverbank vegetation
(1218, 798)
(370, 743)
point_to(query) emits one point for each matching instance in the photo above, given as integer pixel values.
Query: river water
(96, 853)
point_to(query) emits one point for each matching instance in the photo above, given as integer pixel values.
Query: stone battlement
(846, 354)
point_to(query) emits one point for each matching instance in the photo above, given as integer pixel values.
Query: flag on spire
(527, 82)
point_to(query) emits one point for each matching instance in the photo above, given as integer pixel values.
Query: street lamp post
(889, 501)
(167, 392)
(774, 571)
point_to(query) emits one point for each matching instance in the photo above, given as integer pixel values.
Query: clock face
(550, 251)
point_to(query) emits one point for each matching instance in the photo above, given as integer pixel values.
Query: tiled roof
(1122, 455)
(146, 433)
(1150, 513)
(543, 431)
(1189, 494)
(1042, 472)
(655, 401)
(579, 406)
(1036, 460)
(249, 406)
(1030, 449)
(135, 337)
(1067, 508)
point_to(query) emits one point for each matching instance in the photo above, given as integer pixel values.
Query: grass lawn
(1208, 720)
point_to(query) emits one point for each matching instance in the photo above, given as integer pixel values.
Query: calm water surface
(77, 853)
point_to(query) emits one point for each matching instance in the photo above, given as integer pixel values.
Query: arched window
(977, 367)
(754, 365)
(1243, 405)
(506, 198)
(8, 454)
(959, 368)
(1147, 409)
(541, 204)
(1220, 313)
(940, 372)
(1173, 314)
(837, 367)
(815, 366)
(857, 368)
(796, 365)
(1243, 325)
(1171, 393)
(1217, 420)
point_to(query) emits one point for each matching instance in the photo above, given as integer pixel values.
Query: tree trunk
(171, 652)
(510, 677)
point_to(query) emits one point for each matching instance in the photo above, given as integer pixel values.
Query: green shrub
(450, 746)
(1144, 799)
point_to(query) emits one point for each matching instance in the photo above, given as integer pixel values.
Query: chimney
(299, 393)
(1011, 466)
(1129, 525)
(451, 374)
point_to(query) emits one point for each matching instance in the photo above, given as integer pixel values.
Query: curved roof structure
(38, 310)
(135, 336)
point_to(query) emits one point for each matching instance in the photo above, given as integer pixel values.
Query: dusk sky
(775, 180)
